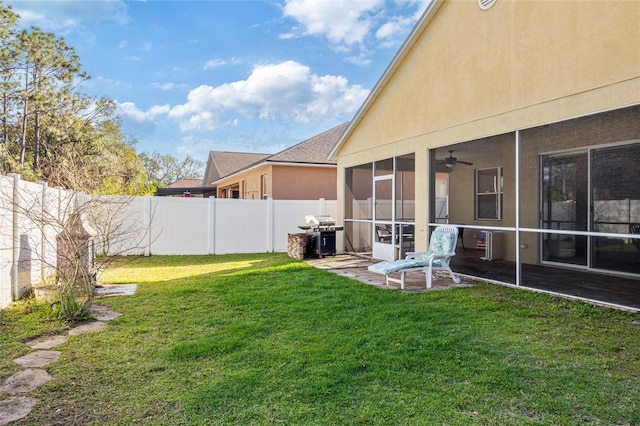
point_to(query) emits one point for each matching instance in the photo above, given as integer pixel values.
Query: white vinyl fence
(31, 215)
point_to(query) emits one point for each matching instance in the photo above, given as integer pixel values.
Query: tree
(163, 169)
(50, 130)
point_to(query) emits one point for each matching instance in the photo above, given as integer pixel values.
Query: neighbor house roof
(313, 151)
(186, 183)
(223, 163)
(406, 47)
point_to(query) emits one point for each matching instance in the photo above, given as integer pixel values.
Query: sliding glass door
(615, 174)
(565, 201)
(595, 190)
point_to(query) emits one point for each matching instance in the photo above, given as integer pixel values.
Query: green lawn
(264, 339)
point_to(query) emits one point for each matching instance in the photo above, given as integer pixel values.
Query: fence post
(211, 234)
(270, 225)
(148, 212)
(43, 230)
(15, 252)
(323, 206)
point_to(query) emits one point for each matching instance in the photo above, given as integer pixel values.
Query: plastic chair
(442, 247)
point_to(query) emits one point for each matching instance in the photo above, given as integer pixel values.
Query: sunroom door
(384, 232)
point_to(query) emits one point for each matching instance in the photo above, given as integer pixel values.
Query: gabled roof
(404, 50)
(313, 151)
(223, 163)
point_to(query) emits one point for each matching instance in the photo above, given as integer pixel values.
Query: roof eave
(418, 29)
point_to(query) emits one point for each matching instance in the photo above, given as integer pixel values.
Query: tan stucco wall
(473, 74)
(254, 182)
(304, 183)
(286, 182)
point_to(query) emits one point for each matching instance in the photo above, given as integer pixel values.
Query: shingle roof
(225, 163)
(314, 150)
(186, 183)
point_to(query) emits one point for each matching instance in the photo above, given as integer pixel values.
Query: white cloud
(217, 63)
(214, 63)
(130, 111)
(163, 86)
(286, 91)
(354, 28)
(342, 22)
(64, 14)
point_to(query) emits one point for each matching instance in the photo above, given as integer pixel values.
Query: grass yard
(263, 339)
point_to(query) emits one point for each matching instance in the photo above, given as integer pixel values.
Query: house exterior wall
(472, 74)
(284, 182)
(303, 183)
(253, 180)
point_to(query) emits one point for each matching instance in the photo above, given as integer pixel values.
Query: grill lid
(319, 220)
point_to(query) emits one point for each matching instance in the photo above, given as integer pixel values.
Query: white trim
(268, 163)
(517, 212)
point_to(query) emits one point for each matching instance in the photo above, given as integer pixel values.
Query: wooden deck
(597, 288)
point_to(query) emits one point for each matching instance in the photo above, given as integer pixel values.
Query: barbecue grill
(321, 235)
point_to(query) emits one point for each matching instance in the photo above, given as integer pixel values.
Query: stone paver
(87, 328)
(94, 308)
(116, 290)
(25, 381)
(103, 313)
(46, 342)
(106, 315)
(15, 408)
(38, 358)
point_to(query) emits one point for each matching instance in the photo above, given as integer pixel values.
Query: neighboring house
(186, 188)
(519, 118)
(301, 172)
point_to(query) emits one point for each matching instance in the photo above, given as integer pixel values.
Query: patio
(596, 288)
(356, 267)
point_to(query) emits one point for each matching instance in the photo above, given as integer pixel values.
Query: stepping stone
(46, 342)
(38, 358)
(94, 308)
(25, 381)
(87, 328)
(106, 315)
(116, 290)
(15, 408)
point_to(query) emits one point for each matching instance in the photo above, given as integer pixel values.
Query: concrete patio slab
(15, 408)
(38, 359)
(87, 328)
(46, 342)
(356, 268)
(25, 381)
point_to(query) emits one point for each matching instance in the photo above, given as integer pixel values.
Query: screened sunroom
(554, 207)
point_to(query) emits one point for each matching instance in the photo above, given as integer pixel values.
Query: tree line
(53, 132)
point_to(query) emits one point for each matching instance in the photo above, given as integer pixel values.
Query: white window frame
(497, 191)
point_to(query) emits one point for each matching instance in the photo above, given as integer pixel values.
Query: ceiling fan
(451, 161)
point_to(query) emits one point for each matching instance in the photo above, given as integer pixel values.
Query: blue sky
(249, 76)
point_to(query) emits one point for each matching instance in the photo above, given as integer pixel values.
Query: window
(263, 185)
(489, 193)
